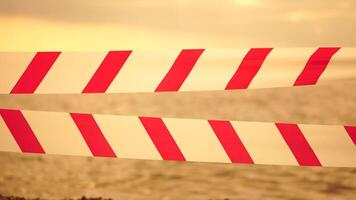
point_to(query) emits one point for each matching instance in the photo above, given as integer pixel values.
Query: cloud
(246, 2)
(275, 22)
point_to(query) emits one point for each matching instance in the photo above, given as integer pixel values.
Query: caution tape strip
(170, 70)
(177, 139)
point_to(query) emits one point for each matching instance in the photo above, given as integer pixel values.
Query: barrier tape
(177, 139)
(170, 71)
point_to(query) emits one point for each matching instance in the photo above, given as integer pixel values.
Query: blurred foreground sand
(57, 177)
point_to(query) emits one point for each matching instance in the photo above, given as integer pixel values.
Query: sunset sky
(117, 24)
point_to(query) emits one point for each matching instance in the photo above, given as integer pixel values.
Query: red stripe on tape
(162, 138)
(315, 66)
(351, 130)
(35, 72)
(21, 131)
(248, 68)
(180, 70)
(106, 72)
(92, 135)
(297, 143)
(231, 142)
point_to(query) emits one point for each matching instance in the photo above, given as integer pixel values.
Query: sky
(35, 25)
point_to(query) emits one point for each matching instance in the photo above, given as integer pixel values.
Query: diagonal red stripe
(106, 72)
(351, 130)
(162, 138)
(231, 142)
(35, 72)
(180, 70)
(21, 131)
(298, 144)
(92, 135)
(315, 66)
(248, 68)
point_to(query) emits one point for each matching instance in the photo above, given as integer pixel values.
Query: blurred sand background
(100, 25)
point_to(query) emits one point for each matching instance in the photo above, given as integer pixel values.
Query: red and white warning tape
(177, 139)
(164, 71)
